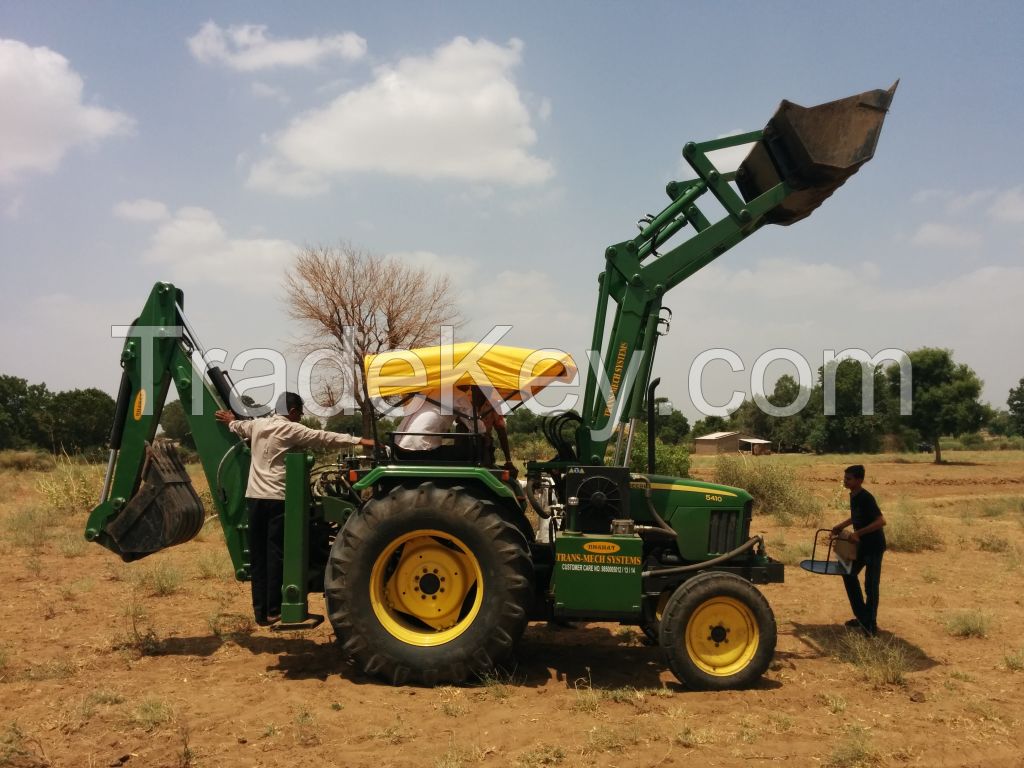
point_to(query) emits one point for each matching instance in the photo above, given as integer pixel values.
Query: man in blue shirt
(868, 522)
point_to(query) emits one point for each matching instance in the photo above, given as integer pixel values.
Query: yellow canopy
(515, 373)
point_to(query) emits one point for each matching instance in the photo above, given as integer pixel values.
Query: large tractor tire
(718, 632)
(428, 585)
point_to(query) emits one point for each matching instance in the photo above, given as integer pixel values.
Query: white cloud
(813, 307)
(195, 248)
(729, 159)
(12, 209)
(264, 91)
(141, 209)
(952, 202)
(1009, 206)
(248, 48)
(455, 114)
(935, 234)
(44, 115)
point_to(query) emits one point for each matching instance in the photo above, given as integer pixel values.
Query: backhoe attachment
(814, 150)
(166, 510)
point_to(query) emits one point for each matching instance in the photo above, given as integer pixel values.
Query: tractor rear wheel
(718, 632)
(428, 585)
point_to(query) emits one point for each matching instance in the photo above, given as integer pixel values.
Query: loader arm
(800, 158)
(134, 519)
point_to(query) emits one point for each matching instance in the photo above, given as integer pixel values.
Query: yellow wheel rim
(722, 636)
(426, 588)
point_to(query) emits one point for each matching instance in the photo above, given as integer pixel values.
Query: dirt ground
(157, 663)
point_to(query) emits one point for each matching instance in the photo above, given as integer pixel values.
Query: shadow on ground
(831, 641)
(575, 656)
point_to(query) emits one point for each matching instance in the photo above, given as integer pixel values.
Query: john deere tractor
(431, 568)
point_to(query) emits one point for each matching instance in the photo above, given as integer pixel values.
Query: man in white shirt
(428, 418)
(270, 439)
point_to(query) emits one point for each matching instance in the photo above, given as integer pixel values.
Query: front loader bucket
(165, 511)
(814, 150)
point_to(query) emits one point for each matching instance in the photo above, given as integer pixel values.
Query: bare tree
(359, 303)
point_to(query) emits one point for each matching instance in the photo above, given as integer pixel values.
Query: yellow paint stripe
(692, 488)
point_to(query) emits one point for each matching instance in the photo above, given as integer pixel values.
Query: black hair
(857, 471)
(287, 401)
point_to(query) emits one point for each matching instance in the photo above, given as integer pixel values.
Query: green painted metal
(636, 278)
(799, 159)
(597, 576)
(392, 474)
(335, 510)
(294, 606)
(153, 356)
(697, 511)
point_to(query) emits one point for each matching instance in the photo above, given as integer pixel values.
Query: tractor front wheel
(428, 585)
(718, 632)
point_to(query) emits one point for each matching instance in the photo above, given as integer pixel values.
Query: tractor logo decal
(691, 488)
(602, 547)
(140, 405)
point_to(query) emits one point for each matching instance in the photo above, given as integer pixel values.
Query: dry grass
(29, 528)
(161, 579)
(774, 486)
(545, 754)
(73, 487)
(880, 660)
(854, 751)
(26, 461)
(972, 623)
(150, 713)
(993, 542)
(214, 564)
(909, 530)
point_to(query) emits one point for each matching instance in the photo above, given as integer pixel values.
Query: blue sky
(508, 145)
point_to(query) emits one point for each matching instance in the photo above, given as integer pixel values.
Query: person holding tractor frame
(270, 439)
(867, 534)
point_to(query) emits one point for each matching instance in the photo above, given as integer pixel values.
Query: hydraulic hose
(220, 488)
(662, 525)
(532, 502)
(748, 544)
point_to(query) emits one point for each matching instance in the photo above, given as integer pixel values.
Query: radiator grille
(722, 530)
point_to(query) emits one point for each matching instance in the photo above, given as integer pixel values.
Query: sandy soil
(99, 669)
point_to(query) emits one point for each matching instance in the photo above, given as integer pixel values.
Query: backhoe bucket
(814, 150)
(165, 511)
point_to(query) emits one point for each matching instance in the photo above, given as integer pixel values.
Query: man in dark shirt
(867, 521)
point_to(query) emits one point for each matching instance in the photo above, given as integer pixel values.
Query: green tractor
(432, 569)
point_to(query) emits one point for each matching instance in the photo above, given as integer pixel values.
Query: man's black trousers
(865, 605)
(266, 556)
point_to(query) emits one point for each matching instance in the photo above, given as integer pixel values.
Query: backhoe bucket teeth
(814, 150)
(164, 512)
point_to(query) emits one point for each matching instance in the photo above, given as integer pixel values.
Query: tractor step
(312, 621)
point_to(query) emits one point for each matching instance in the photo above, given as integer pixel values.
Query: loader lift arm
(799, 158)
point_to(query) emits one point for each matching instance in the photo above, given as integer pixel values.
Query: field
(157, 663)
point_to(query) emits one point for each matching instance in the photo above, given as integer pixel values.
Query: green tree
(1015, 402)
(669, 459)
(80, 419)
(673, 427)
(998, 421)
(24, 418)
(709, 425)
(849, 429)
(523, 421)
(789, 433)
(944, 396)
(175, 424)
